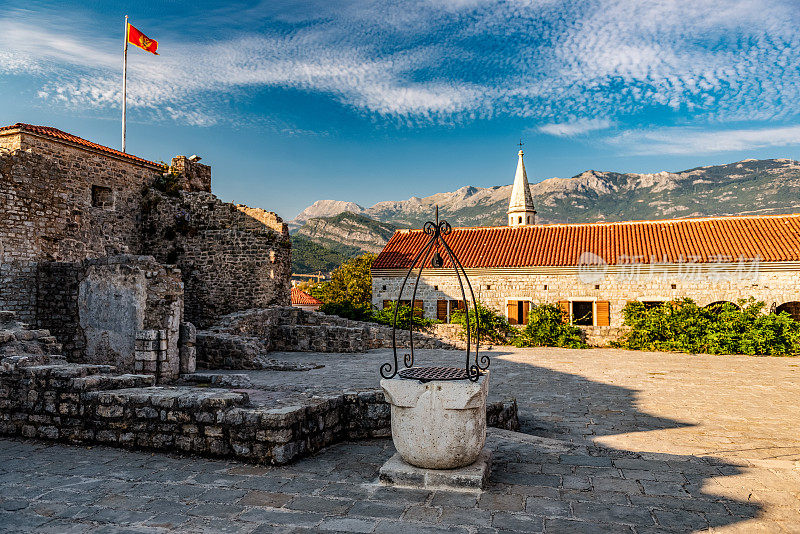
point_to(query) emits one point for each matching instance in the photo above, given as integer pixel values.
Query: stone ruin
(118, 276)
(117, 256)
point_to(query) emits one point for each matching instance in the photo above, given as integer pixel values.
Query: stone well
(439, 424)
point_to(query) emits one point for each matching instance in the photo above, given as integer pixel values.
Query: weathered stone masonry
(232, 257)
(65, 200)
(45, 397)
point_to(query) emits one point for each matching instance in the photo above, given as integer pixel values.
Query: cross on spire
(520, 144)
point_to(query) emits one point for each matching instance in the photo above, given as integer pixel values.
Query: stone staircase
(19, 343)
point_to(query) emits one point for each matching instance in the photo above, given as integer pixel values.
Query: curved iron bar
(437, 231)
(408, 359)
(387, 367)
(484, 358)
(473, 371)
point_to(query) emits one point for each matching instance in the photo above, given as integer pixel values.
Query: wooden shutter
(512, 312)
(419, 308)
(603, 313)
(526, 307)
(441, 310)
(564, 305)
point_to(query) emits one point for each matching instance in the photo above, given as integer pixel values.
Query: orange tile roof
(55, 133)
(712, 239)
(301, 298)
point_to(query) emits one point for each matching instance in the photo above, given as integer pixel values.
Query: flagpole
(124, 80)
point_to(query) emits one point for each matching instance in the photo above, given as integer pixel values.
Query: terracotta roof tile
(301, 298)
(712, 239)
(55, 133)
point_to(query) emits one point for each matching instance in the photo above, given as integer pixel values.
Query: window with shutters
(517, 311)
(441, 310)
(582, 312)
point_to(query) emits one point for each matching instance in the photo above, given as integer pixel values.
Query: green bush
(547, 328)
(348, 310)
(404, 317)
(349, 283)
(171, 182)
(363, 312)
(683, 326)
(494, 326)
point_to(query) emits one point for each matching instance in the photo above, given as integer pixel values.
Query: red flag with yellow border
(135, 37)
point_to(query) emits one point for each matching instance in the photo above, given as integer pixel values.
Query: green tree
(547, 327)
(350, 283)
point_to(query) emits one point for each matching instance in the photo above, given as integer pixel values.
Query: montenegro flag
(139, 39)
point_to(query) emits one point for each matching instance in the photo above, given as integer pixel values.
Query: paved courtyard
(611, 441)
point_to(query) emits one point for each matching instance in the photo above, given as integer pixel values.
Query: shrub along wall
(683, 326)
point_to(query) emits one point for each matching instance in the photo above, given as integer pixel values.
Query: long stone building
(113, 253)
(593, 270)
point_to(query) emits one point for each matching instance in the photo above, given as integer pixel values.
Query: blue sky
(292, 102)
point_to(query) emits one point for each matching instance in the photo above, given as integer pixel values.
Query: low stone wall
(239, 339)
(602, 336)
(84, 403)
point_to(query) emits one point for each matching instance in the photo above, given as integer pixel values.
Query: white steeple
(520, 207)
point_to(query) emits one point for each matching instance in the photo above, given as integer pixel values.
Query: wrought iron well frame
(474, 367)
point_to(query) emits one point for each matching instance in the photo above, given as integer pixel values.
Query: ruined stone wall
(241, 340)
(61, 203)
(232, 257)
(82, 403)
(99, 306)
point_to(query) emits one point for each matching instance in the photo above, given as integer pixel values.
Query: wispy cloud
(420, 61)
(575, 127)
(682, 141)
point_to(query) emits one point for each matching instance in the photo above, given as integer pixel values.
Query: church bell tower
(520, 207)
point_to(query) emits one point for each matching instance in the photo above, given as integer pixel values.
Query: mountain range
(744, 187)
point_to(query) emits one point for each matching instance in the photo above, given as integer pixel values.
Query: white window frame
(593, 300)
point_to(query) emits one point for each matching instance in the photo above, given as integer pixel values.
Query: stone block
(472, 478)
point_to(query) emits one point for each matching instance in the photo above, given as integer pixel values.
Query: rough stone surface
(232, 257)
(616, 441)
(241, 340)
(64, 204)
(439, 424)
(396, 472)
(47, 398)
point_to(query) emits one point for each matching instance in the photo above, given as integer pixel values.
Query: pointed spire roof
(521, 199)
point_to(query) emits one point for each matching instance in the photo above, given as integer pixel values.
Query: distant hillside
(310, 257)
(744, 187)
(749, 186)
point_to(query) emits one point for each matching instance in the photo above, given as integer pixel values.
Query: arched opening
(719, 305)
(529, 219)
(520, 220)
(792, 308)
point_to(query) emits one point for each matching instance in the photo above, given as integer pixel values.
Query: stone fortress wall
(232, 257)
(80, 228)
(61, 204)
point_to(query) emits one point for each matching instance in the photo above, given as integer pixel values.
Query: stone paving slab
(616, 441)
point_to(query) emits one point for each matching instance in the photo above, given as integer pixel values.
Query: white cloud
(576, 127)
(680, 140)
(559, 62)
